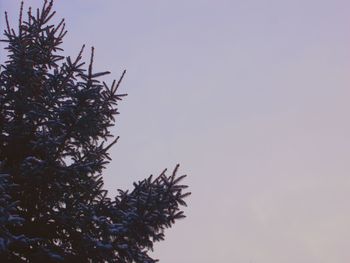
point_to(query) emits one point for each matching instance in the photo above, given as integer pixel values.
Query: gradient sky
(251, 97)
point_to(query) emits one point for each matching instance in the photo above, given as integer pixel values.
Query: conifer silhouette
(55, 117)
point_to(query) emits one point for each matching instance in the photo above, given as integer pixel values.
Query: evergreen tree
(55, 117)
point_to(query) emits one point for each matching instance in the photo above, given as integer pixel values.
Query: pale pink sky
(251, 97)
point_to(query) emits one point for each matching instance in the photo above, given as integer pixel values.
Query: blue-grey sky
(251, 97)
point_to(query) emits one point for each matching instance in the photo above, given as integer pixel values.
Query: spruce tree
(55, 119)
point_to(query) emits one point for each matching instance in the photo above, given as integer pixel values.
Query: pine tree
(55, 117)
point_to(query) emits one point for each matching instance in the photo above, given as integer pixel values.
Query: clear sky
(251, 97)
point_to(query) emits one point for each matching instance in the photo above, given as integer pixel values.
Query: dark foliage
(54, 119)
